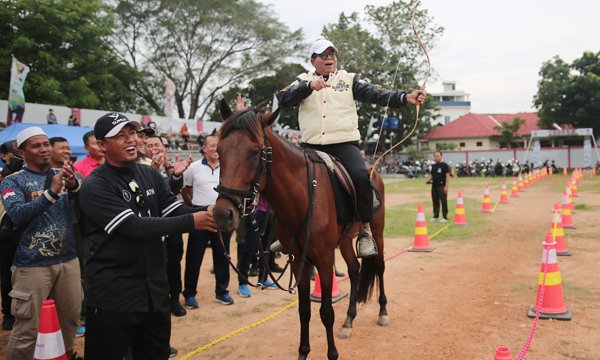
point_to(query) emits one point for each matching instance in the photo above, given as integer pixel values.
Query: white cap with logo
(319, 46)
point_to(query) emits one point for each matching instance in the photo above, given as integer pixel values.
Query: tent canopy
(73, 134)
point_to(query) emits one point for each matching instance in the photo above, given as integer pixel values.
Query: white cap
(319, 46)
(27, 133)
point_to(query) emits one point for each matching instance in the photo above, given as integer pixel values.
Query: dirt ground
(460, 301)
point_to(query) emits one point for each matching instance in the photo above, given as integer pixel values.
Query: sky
(493, 50)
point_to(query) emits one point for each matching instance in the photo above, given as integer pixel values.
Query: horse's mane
(247, 121)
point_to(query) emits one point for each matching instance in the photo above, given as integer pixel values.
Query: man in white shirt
(199, 181)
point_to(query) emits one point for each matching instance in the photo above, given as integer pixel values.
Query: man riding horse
(329, 123)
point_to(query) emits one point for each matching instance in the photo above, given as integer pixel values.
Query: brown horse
(256, 161)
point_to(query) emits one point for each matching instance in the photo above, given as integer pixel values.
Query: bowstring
(417, 106)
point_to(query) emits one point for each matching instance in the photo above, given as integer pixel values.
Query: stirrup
(365, 244)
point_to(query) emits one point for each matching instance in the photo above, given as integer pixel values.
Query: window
(447, 119)
(462, 144)
(479, 143)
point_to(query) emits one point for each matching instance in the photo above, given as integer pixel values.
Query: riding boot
(365, 244)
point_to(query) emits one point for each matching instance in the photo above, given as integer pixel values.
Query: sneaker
(443, 220)
(172, 352)
(80, 331)
(434, 219)
(176, 308)
(276, 246)
(244, 291)
(366, 244)
(190, 302)
(268, 284)
(7, 322)
(224, 299)
(339, 273)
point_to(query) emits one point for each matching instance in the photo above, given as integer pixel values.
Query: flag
(16, 96)
(275, 106)
(169, 102)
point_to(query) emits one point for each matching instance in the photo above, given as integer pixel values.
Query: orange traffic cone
(526, 180)
(421, 240)
(460, 218)
(593, 171)
(502, 353)
(514, 190)
(574, 188)
(565, 172)
(49, 345)
(550, 302)
(486, 205)
(521, 186)
(567, 218)
(503, 192)
(558, 233)
(336, 294)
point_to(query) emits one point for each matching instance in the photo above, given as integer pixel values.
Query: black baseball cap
(147, 130)
(110, 124)
(6, 147)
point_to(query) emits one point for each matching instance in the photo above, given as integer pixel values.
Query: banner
(16, 96)
(169, 102)
(537, 153)
(587, 151)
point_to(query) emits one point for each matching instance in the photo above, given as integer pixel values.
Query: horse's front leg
(353, 273)
(303, 308)
(325, 269)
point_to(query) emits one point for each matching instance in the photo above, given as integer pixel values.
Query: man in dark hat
(128, 208)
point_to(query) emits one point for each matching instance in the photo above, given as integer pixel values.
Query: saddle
(343, 187)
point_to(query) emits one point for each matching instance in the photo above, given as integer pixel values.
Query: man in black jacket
(129, 208)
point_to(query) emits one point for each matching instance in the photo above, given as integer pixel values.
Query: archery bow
(417, 106)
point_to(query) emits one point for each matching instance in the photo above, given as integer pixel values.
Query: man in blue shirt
(45, 264)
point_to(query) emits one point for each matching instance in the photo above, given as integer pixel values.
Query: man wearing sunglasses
(128, 208)
(329, 122)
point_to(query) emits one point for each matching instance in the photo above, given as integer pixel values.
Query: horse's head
(245, 158)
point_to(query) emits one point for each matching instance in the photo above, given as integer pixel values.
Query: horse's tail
(366, 280)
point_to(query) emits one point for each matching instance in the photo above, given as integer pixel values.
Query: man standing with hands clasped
(439, 180)
(128, 208)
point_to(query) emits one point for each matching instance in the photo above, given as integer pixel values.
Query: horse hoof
(345, 333)
(384, 320)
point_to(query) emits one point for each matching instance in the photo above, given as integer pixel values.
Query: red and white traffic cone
(503, 193)
(336, 294)
(558, 233)
(421, 240)
(486, 205)
(567, 218)
(520, 183)
(460, 217)
(552, 304)
(514, 190)
(49, 345)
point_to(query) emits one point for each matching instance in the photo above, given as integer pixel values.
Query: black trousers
(174, 245)
(196, 246)
(264, 221)
(349, 156)
(109, 334)
(439, 196)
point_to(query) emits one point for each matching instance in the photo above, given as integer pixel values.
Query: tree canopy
(508, 131)
(64, 43)
(570, 93)
(204, 47)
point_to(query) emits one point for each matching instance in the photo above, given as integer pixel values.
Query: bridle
(249, 196)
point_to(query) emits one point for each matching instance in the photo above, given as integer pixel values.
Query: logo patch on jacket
(8, 193)
(341, 86)
(126, 195)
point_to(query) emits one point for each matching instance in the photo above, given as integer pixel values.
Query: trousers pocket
(21, 306)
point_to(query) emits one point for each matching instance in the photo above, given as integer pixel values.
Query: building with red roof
(476, 131)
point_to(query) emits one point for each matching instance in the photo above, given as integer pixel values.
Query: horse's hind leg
(304, 309)
(325, 269)
(377, 227)
(353, 272)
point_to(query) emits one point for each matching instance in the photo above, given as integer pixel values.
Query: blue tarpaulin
(73, 134)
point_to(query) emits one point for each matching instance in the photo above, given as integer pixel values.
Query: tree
(570, 93)
(390, 56)
(64, 43)
(204, 47)
(508, 131)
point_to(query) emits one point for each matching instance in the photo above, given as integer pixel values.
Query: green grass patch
(400, 221)
(408, 186)
(590, 185)
(585, 207)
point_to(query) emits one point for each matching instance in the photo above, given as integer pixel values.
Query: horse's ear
(269, 119)
(225, 109)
